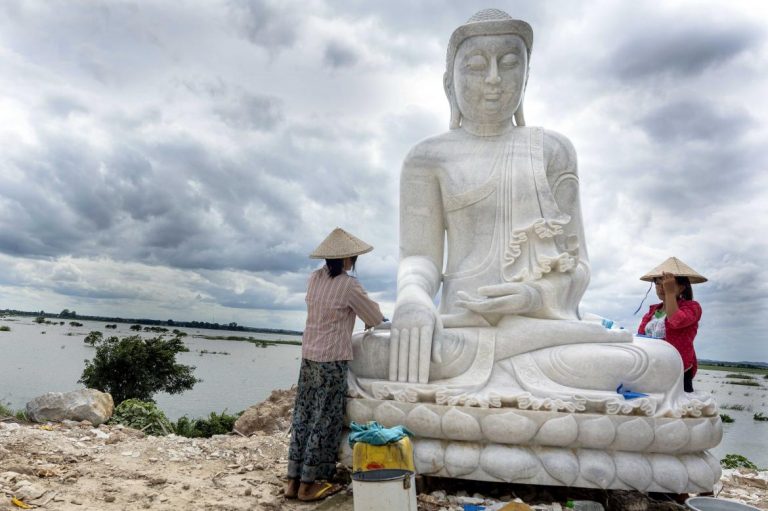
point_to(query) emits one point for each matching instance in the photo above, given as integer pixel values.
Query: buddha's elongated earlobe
(520, 116)
(449, 93)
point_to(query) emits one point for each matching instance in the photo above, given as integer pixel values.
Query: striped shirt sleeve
(364, 307)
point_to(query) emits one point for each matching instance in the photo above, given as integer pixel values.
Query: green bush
(142, 415)
(760, 417)
(215, 424)
(5, 328)
(736, 461)
(726, 418)
(136, 368)
(748, 383)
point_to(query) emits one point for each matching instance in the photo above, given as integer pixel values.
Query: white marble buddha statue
(490, 211)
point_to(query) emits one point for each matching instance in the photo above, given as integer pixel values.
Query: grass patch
(259, 342)
(5, 328)
(19, 415)
(206, 352)
(738, 408)
(760, 417)
(727, 419)
(739, 375)
(748, 383)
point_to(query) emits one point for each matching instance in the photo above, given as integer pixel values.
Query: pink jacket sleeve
(688, 313)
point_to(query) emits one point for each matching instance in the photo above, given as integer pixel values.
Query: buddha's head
(487, 68)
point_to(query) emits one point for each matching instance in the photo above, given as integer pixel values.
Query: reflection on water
(33, 363)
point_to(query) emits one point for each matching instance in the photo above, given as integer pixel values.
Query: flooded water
(35, 359)
(33, 363)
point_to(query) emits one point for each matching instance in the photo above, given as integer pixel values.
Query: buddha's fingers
(402, 363)
(513, 304)
(497, 290)
(467, 297)
(437, 342)
(425, 347)
(394, 350)
(413, 355)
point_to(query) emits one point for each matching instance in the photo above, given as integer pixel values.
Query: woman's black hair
(688, 291)
(336, 266)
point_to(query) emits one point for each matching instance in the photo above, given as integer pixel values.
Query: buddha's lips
(492, 96)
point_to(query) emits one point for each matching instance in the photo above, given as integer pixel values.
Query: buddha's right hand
(414, 338)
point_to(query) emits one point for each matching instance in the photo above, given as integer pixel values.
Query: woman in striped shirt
(334, 299)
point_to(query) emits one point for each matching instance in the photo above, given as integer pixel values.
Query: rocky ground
(74, 466)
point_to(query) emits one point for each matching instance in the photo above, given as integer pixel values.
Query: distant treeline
(66, 313)
(742, 365)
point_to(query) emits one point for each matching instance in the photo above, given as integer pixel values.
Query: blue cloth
(628, 394)
(373, 433)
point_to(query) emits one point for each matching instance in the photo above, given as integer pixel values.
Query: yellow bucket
(397, 455)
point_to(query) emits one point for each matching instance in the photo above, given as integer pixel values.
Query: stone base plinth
(584, 468)
(630, 452)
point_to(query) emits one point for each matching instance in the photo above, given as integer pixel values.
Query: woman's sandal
(317, 491)
(291, 489)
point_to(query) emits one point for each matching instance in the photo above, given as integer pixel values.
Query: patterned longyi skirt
(318, 420)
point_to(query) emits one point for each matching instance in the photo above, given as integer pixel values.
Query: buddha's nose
(493, 77)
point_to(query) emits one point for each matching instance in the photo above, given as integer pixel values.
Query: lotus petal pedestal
(628, 452)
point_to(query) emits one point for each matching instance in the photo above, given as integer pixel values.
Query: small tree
(136, 368)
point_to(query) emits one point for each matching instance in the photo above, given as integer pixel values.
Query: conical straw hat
(340, 244)
(677, 268)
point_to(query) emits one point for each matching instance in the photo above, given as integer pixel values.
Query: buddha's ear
(451, 95)
(519, 115)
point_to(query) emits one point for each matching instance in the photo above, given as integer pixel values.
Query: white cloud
(182, 161)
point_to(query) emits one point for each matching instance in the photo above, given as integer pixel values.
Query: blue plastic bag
(373, 433)
(628, 394)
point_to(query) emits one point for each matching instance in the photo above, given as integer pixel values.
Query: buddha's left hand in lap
(501, 300)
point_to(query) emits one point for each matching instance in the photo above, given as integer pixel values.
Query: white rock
(78, 405)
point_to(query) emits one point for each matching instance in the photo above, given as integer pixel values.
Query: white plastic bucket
(713, 504)
(384, 490)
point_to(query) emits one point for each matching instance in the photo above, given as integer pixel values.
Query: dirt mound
(270, 416)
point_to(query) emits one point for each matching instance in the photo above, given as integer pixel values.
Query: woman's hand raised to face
(669, 284)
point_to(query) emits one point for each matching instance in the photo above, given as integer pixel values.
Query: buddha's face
(489, 74)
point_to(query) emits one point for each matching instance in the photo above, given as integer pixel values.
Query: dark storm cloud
(251, 111)
(703, 149)
(675, 49)
(338, 54)
(695, 120)
(270, 24)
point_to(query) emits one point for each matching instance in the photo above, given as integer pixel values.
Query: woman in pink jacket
(676, 318)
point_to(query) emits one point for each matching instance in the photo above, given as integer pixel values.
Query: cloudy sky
(181, 159)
